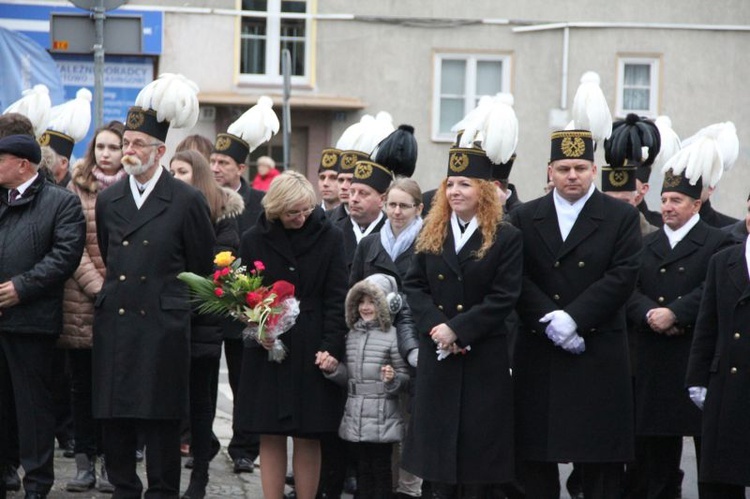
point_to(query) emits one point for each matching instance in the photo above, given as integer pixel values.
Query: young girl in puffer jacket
(375, 374)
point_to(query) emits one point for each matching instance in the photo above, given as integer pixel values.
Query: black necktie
(462, 226)
(13, 194)
(141, 189)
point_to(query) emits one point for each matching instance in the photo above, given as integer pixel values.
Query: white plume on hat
(35, 104)
(470, 125)
(173, 97)
(256, 125)
(73, 118)
(707, 154)
(352, 133)
(590, 109)
(367, 133)
(670, 141)
(494, 124)
(726, 138)
(374, 132)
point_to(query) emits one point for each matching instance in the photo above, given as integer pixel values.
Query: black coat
(713, 217)
(652, 217)
(141, 350)
(42, 235)
(719, 360)
(738, 231)
(253, 206)
(672, 278)
(566, 403)
(371, 258)
(350, 240)
(461, 429)
(293, 397)
(337, 214)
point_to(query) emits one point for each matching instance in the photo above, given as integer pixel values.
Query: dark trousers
(243, 443)
(204, 376)
(87, 430)
(657, 461)
(720, 491)
(162, 439)
(374, 477)
(26, 378)
(541, 480)
(61, 394)
(334, 461)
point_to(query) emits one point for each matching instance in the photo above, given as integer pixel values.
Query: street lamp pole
(99, 64)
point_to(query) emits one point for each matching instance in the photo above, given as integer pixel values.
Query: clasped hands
(326, 362)
(663, 320)
(562, 331)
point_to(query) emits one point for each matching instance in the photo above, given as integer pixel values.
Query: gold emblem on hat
(328, 160)
(671, 180)
(618, 178)
(223, 143)
(362, 171)
(348, 161)
(135, 119)
(458, 162)
(45, 139)
(573, 147)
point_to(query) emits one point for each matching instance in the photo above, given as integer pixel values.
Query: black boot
(198, 481)
(85, 478)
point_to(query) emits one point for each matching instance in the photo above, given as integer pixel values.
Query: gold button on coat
(441, 277)
(440, 307)
(125, 243)
(581, 264)
(122, 277)
(662, 270)
(121, 311)
(733, 370)
(556, 297)
(460, 308)
(557, 264)
(736, 336)
(145, 243)
(660, 299)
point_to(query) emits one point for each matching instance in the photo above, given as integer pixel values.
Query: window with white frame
(460, 81)
(268, 27)
(638, 86)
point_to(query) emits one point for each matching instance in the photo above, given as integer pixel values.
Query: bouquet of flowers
(268, 311)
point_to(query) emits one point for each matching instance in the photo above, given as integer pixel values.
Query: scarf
(105, 179)
(395, 245)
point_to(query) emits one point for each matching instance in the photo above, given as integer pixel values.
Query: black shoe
(197, 487)
(35, 495)
(11, 479)
(189, 463)
(289, 480)
(68, 448)
(243, 465)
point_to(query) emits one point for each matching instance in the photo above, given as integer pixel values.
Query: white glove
(575, 344)
(561, 326)
(412, 357)
(698, 395)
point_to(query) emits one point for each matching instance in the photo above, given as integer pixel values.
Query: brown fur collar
(378, 296)
(83, 177)
(233, 205)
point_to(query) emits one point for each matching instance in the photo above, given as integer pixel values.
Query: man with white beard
(150, 227)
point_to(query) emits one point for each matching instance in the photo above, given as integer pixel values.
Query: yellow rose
(224, 259)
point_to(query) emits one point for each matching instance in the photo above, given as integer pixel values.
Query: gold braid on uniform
(435, 229)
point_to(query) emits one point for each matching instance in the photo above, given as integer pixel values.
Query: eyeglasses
(137, 145)
(296, 213)
(403, 206)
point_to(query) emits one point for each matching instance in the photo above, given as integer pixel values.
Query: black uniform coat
(462, 422)
(337, 214)
(350, 240)
(141, 349)
(293, 397)
(720, 361)
(713, 217)
(576, 407)
(672, 278)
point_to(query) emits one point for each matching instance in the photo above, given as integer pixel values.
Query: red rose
(282, 290)
(219, 292)
(225, 271)
(217, 275)
(253, 298)
(259, 266)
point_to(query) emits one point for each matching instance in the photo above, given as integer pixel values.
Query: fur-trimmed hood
(233, 205)
(383, 290)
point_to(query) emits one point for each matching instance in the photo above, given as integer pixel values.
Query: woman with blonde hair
(464, 280)
(296, 243)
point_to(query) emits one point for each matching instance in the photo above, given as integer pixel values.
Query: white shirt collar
(149, 186)
(675, 236)
(22, 188)
(567, 212)
(460, 238)
(359, 233)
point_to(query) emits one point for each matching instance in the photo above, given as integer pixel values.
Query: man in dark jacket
(571, 369)
(150, 227)
(228, 164)
(40, 247)
(664, 308)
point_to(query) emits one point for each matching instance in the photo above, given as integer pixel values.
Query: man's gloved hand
(560, 327)
(698, 395)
